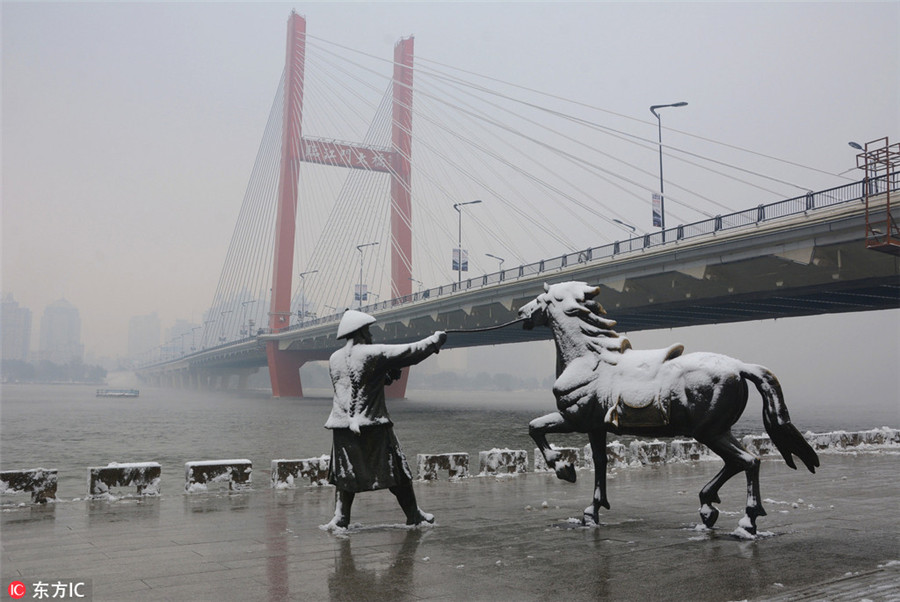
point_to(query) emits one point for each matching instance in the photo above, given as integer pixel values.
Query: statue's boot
(343, 501)
(407, 499)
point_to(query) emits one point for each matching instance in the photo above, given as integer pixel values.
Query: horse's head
(535, 312)
(572, 298)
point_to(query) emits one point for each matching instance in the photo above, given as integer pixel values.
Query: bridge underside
(874, 295)
(668, 290)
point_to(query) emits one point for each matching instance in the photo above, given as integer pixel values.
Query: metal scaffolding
(879, 160)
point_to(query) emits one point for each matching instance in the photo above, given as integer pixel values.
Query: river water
(68, 428)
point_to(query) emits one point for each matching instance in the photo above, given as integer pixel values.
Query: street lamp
(629, 226)
(205, 335)
(360, 248)
(662, 211)
(194, 339)
(865, 167)
(500, 259)
(245, 330)
(302, 295)
(419, 282)
(222, 331)
(459, 263)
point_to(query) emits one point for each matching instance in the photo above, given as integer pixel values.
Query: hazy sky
(129, 129)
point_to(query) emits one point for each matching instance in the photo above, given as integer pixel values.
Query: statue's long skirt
(367, 461)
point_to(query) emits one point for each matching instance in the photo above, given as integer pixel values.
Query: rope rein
(485, 329)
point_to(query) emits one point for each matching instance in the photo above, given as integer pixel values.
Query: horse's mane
(578, 301)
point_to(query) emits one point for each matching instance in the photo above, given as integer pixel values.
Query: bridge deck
(807, 262)
(835, 537)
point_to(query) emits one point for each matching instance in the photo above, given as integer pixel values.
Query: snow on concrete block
(616, 456)
(198, 475)
(569, 455)
(881, 436)
(759, 445)
(429, 465)
(40, 482)
(850, 439)
(686, 450)
(587, 456)
(502, 461)
(144, 476)
(838, 440)
(648, 452)
(286, 472)
(874, 437)
(823, 440)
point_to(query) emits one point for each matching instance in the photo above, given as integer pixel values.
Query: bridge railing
(810, 201)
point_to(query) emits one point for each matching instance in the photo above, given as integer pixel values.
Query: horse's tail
(784, 435)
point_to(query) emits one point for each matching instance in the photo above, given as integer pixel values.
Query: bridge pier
(397, 389)
(284, 371)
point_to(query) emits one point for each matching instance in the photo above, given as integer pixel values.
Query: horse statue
(603, 385)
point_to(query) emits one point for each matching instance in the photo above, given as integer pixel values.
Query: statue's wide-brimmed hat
(352, 321)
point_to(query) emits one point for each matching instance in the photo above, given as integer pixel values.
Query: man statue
(366, 454)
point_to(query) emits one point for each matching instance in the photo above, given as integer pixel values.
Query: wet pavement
(829, 536)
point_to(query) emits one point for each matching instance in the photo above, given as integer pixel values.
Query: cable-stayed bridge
(327, 223)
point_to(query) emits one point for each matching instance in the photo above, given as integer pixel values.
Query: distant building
(143, 335)
(15, 329)
(60, 340)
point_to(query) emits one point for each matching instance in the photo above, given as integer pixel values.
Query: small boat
(118, 392)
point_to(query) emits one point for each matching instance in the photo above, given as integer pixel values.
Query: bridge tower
(284, 366)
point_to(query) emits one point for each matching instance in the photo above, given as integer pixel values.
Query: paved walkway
(833, 536)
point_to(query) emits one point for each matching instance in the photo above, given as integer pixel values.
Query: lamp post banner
(456, 260)
(657, 210)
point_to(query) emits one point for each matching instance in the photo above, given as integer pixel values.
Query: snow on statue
(366, 455)
(603, 385)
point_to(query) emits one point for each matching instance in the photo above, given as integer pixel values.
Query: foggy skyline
(130, 130)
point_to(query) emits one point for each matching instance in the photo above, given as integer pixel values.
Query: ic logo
(16, 590)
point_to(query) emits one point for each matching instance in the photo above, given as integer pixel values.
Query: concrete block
(429, 465)
(616, 454)
(822, 440)
(198, 475)
(759, 445)
(647, 452)
(571, 455)
(685, 450)
(852, 439)
(144, 476)
(286, 472)
(880, 436)
(40, 482)
(502, 461)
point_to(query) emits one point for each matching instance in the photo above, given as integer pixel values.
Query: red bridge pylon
(284, 366)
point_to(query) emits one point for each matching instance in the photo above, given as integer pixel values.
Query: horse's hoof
(566, 472)
(709, 515)
(420, 518)
(748, 524)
